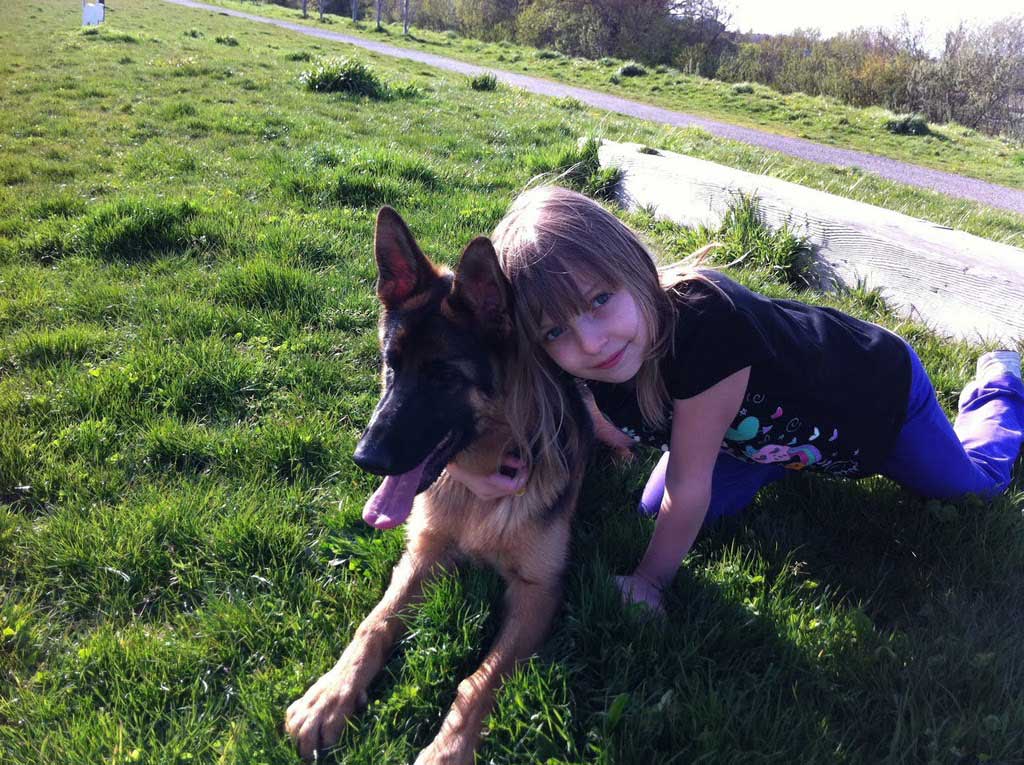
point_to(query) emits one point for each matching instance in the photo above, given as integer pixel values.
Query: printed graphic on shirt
(763, 433)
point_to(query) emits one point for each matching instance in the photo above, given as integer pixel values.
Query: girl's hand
(637, 589)
(495, 485)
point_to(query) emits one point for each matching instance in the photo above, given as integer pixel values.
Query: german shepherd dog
(446, 340)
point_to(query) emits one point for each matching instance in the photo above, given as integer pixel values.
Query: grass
(952, 147)
(486, 81)
(188, 354)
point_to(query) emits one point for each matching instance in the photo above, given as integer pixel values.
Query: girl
(739, 389)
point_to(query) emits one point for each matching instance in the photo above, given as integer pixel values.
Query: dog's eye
(445, 374)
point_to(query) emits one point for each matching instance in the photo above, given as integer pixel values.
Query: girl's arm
(698, 427)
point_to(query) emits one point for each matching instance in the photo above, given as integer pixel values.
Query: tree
(486, 19)
(574, 27)
(980, 72)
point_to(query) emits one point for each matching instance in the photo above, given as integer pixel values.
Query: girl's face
(607, 343)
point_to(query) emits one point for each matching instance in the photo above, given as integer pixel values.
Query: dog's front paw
(449, 750)
(315, 721)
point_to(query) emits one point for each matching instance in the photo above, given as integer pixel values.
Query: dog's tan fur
(516, 537)
(524, 537)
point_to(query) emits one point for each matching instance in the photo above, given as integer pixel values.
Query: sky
(832, 16)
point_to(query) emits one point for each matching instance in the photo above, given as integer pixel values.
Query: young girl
(739, 389)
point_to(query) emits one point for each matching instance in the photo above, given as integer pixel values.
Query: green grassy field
(187, 357)
(953, 148)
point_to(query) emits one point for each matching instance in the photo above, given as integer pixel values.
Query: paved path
(991, 194)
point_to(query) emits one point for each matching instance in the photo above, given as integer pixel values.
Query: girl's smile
(607, 343)
(612, 360)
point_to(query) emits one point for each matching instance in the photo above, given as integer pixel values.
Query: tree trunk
(379, 3)
(305, 4)
(355, 10)
(405, 17)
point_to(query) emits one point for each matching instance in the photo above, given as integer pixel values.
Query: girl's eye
(553, 334)
(601, 299)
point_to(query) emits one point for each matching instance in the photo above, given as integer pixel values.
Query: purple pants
(930, 457)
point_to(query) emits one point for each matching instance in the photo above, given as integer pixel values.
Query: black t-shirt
(827, 392)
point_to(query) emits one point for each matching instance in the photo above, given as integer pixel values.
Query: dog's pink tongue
(391, 504)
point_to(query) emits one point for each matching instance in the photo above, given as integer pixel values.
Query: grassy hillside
(953, 148)
(188, 354)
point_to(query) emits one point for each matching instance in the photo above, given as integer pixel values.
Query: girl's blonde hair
(548, 235)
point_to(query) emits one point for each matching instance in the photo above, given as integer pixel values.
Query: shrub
(908, 124)
(745, 237)
(300, 55)
(485, 81)
(632, 69)
(226, 40)
(548, 54)
(742, 87)
(193, 33)
(578, 167)
(343, 75)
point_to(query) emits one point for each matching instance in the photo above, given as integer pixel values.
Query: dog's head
(440, 335)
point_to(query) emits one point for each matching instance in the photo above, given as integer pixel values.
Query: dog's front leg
(315, 721)
(528, 614)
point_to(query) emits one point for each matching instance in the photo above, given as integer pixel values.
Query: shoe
(997, 364)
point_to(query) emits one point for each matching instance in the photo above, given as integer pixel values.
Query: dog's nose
(371, 458)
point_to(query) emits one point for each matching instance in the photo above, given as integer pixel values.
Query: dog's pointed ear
(482, 289)
(402, 268)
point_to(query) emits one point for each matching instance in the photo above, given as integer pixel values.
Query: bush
(193, 33)
(485, 81)
(632, 69)
(578, 167)
(908, 124)
(742, 87)
(571, 104)
(745, 237)
(226, 40)
(343, 75)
